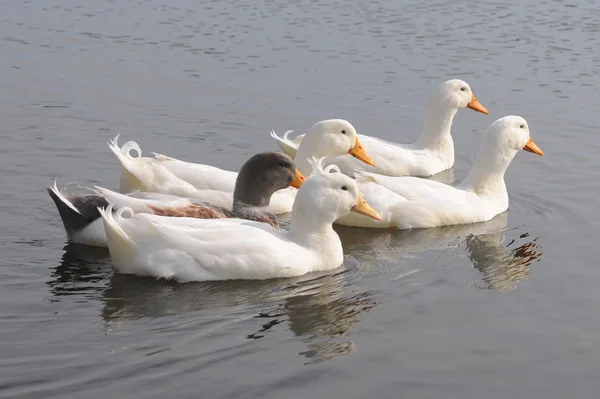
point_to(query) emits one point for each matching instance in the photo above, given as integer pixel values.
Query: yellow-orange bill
(298, 180)
(476, 106)
(532, 147)
(358, 152)
(365, 209)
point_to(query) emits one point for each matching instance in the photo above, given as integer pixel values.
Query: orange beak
(298, 180)
(532, 147)
(359, 152)
(365, 209)
(476, 106)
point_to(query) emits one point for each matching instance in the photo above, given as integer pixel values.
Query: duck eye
(284, 165)
(522, 126)
(344, 188)
(463, 89)
(343, 132)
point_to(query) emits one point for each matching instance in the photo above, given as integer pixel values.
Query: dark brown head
(262, 175)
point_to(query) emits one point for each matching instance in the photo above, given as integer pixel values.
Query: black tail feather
(87, 205)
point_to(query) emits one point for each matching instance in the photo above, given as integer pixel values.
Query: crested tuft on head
(317, 166)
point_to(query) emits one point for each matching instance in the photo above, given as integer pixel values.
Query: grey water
(504, 309)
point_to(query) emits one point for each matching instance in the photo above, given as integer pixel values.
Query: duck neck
(486, 177)
(309, 228)
(315, 231)
(242, 207)
(246, 196)
(310, 146)
(436, 133)
(244, 211)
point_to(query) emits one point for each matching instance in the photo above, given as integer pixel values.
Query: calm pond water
(505, 309)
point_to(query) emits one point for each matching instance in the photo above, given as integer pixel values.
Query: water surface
(501, 309)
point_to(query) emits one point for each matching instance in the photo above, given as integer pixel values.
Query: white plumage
(433, 151)
(410, 202)
(195, 249)
(211, 184)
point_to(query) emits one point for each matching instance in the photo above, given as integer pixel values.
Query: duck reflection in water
(503, 266)
(318, 308)
(377, 244)
(82, 270)
(321, 312)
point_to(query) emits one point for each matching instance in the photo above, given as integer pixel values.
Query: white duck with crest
(410, 202)
(195, 249)
(433, 152)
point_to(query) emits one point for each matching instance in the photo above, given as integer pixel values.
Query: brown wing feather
(191, 211)
(268, 219)
(206, 212)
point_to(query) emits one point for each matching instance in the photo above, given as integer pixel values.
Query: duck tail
(121, 247)
(129, 181)
(76, 212)
(290, 147)
(123, 153)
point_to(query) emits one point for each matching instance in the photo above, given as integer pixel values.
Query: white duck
(188, 249)
(411, 202)
(162, 174)
(433, 151)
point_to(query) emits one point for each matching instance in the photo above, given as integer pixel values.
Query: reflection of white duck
(324, 319)
(410, 202)
(379, 244)
(319, 309)
(432, 153)
(502, 266)
(187, 249)
(162, 174)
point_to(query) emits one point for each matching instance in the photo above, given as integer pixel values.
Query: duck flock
(192, 222)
